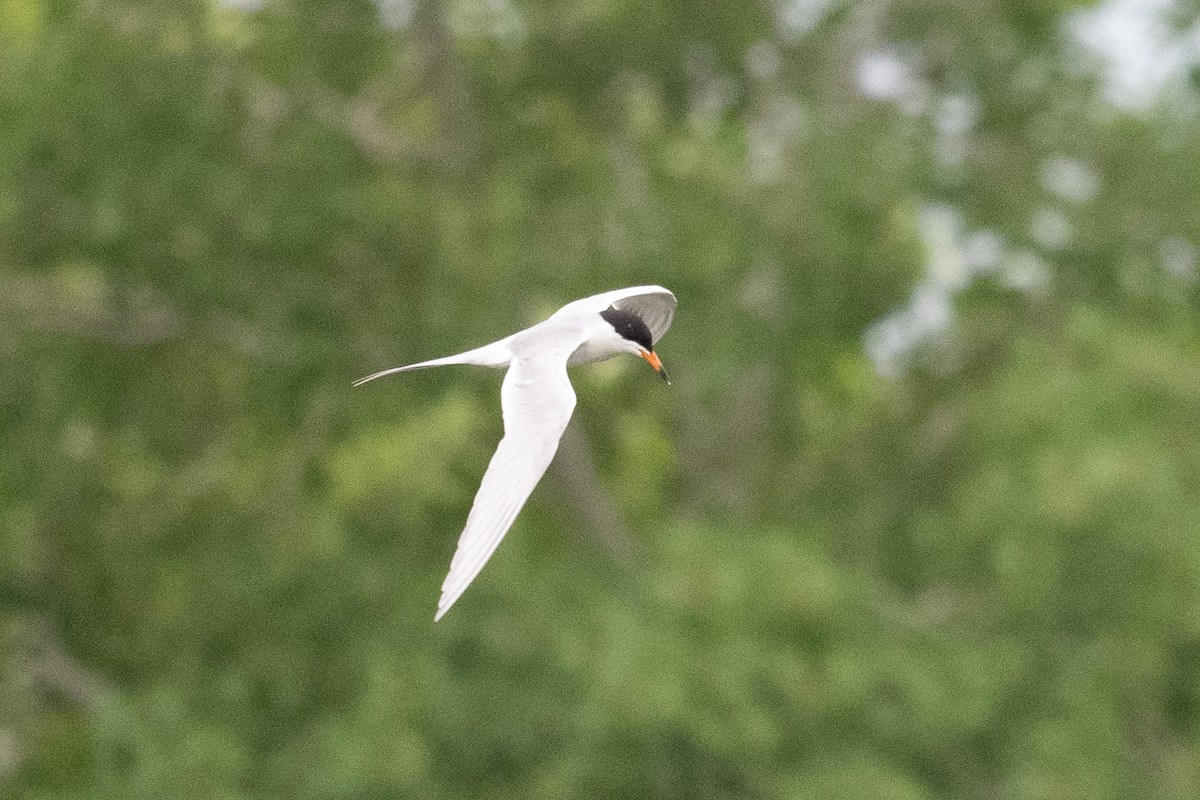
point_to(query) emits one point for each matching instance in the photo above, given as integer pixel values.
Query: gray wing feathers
(537, 400)
(654, 304)
(656, 309)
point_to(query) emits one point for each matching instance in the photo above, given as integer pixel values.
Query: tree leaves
(966, 569)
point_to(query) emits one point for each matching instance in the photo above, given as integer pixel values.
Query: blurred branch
(724, 456)
(81, 302)
(575, 468)
(445, 77)
(53, 670)
(441, 76)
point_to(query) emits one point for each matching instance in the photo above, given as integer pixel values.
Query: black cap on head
(630, 326)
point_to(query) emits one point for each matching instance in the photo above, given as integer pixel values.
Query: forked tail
(496, 355)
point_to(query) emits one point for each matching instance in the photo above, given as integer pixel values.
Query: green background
(918, 517)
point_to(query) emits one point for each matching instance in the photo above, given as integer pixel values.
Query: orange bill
(655, 362)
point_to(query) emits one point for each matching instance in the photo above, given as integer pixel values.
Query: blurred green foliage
(917, 519)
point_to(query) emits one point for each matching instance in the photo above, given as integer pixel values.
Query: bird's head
(635, 336)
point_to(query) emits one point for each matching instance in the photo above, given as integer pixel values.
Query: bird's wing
(656, 308)
(654, 304)
(537, 400)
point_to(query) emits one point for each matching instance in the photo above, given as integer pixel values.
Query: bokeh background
(919, 517)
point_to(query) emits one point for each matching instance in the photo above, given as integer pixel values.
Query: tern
(537, 399)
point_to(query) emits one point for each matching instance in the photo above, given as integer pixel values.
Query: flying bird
(536, 399)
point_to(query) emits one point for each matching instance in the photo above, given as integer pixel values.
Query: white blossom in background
(768, 135)
(954, 118)
(796, 18)
(1141, 56)
(1025, 271)
(930, 309)
(1070, 179)
(712, 90)
(955, 258)
(1178, 257)
(888, 76)
(982, 251)
(1050, 228)
(762, 60)
(396, 14)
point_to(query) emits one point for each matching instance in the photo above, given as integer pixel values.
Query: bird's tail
(496, 355)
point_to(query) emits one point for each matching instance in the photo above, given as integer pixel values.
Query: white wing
(654, 304)
(537, 400)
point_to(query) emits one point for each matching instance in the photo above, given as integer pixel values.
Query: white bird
(537, 400)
